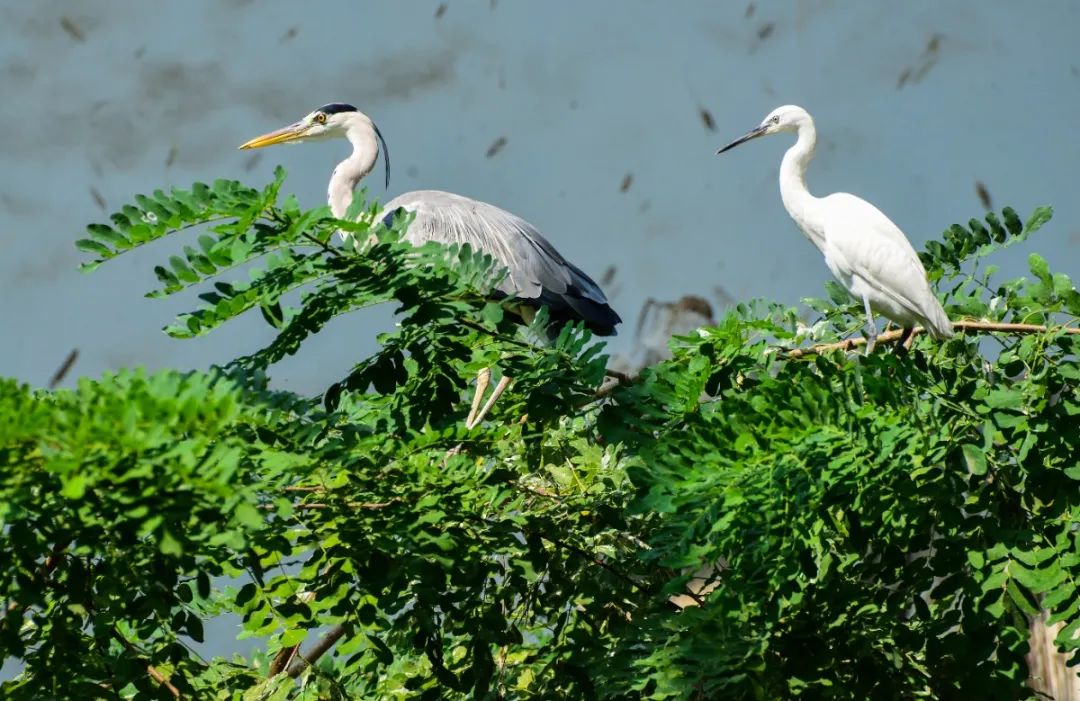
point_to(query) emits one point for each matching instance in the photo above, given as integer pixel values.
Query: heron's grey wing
(537, 272)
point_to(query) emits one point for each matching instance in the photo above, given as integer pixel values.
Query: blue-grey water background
(914, 102)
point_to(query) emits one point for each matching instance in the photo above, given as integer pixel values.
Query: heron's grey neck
(800, 204)
(353, 169)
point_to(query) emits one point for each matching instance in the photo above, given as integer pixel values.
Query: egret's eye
(320, 118)
(775, 120)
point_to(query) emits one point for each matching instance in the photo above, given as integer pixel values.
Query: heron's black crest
(385, 153)
(335, 107)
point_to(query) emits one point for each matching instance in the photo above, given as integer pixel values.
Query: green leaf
(837, 293)
(1005, 399)
(1038, 218)
(248, 516)
(1039, 267)
(975, 459)
(1012, 221)
(89, 246)
(168, 544)
(293, 636)
(183, 272)
(74, 486)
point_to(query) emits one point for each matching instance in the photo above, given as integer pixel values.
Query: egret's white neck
(361, 134)
(798, 201)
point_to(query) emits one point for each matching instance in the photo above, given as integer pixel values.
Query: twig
(620, 379)
(538, 491)
(150, 669)
(325, 246)
(893, 336)
(595, 560)
(305, 660)
(494, 334)
(317, 506)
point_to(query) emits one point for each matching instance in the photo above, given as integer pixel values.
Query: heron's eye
(320, 118)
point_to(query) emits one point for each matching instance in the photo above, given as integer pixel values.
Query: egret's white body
(537, 274)
(863, 248)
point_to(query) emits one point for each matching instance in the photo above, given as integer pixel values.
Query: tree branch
(894, 336)
(317, 506)
(620, 379)
(286, 655)
(305, 660)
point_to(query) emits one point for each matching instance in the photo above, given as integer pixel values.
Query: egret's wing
(862, 241)
(537, 271)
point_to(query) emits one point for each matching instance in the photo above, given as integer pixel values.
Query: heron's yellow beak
(278, 136)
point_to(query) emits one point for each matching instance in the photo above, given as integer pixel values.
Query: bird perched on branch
(866, 252)
(537, 274)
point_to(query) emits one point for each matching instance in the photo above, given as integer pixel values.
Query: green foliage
(875, 527)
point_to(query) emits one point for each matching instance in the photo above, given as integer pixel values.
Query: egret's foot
(871, 327)
(903, 344)
(910, 341)
(474, 421)
(483, 379)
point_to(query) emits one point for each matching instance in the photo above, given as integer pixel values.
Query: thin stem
(595, 560)
(150, 669)
(318, 506)
(325, 246)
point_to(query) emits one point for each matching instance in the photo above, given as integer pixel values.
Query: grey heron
(866, 252)
(537, 274)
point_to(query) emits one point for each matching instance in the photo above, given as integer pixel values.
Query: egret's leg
(871, 327)
(483, 379)
(504, 382)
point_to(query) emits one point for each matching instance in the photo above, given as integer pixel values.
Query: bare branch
(619, 379)
(285, 656)
(896, 335)
(305, 660)
(318, 506)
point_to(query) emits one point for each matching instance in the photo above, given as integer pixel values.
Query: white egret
(537, 274)
(866, 252)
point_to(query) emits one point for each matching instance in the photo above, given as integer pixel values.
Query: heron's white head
(785, 118)
(332, 121)
(328, 122)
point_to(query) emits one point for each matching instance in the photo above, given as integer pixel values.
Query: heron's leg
(483, 379)
(503, 383)
(871, 327)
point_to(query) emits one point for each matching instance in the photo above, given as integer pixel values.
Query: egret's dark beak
(278, 136)
(760, 131)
